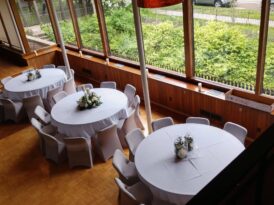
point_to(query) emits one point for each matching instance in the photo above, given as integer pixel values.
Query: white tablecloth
(75, 123)
(177, 181)
(19, 88)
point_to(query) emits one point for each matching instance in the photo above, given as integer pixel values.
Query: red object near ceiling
(157, 3)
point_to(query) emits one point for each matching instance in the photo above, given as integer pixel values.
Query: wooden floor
(27, 178)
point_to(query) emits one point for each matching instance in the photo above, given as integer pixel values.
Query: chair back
(42, 114)
(130, 91)
(5, 80)
(84, 86)
(108, 84)
(64, 68)
(12, 111)
(108, 141)
(198, 120)
(48, 66)
(238, 131)
(134, 138)
(127, 198)
(119, 162)
(79, 151)
(36, 124)
(50, 94)
(163, 122)
(69, 86)
(59, 96)
(136, 106)
(31, 103)
(54, 148)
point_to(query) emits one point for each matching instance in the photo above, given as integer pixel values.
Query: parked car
(216, 3)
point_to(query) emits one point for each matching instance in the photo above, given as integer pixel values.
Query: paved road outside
(249, 4)
(228, 19)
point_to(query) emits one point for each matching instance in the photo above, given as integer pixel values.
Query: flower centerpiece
(180, 148)
(89, 100)
(183, 145)
(188, 142)
(32, 75)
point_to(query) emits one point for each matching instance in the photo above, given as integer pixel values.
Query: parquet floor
(27, 178)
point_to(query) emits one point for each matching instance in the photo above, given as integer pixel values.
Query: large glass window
(268, 84)
(120, 28)
(88, 24)
(65, 21)
(35, 18)
(164, 38)
(226, 34)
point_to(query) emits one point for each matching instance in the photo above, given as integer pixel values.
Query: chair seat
(130, 172)
(140, 192)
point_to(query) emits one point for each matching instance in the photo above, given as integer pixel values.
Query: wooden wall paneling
(41, 60)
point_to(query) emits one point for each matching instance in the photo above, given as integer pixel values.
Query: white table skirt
(173, 181)
(19, 88)
(75, 123)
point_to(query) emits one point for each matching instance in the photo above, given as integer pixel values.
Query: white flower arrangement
(89, 100)
(182, 146)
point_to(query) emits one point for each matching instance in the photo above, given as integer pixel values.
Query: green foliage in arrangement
(222, 50)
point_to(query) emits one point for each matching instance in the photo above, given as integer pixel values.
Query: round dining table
(73, 122)
(19, 87)
(174, 181)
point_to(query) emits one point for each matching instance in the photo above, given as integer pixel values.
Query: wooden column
(188, 38)
(75, 24)
(102, 27)
(20, 26)
(262, 46)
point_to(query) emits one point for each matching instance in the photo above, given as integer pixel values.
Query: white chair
(84, 86)
(79, 151)
(42, 115)
(48, 66)
(108, 84)
(125, 126)
(64, 68)
(198, 120)
(135, 194)
(13, 110)
(237, 130)
(130, 91)
(54, 147)
(108, 141)
(69, 86)
(5, 80)
(125, 168)
(133, 139)
(137, 117)
(31, 103)
(38, 126)
(59, 96)
(50, 102)
(160, 123)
